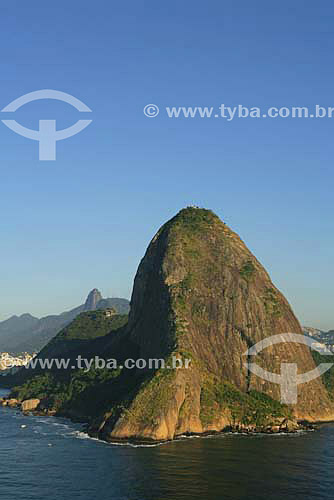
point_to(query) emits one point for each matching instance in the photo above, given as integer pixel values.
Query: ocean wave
(84, 435)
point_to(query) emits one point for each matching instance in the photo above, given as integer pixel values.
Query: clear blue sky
(85, 220)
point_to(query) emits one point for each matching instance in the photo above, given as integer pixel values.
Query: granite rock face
(199, 293)
(30, 404)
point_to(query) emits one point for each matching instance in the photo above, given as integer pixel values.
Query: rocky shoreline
(33, 407)
(287, 427)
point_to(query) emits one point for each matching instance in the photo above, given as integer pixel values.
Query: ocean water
(45, 457)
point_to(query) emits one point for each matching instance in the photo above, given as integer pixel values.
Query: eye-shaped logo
(47, 135)
(288, 379)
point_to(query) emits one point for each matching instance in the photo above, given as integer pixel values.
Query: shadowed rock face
(200, 293)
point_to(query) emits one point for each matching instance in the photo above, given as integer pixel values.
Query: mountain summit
(93, 299)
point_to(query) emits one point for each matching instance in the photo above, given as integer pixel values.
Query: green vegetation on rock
(77, 391)
(271, 302)
(158, 391)
(92, 324)
(328, 376)
(247, 271)
(248, 409)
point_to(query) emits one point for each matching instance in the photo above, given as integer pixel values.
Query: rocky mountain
(199, 294)
(93, 299)
(27, 333)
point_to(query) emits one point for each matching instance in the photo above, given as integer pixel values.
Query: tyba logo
(288, 379)
(47, 135)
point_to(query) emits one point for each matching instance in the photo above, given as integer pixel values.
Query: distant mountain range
(324, 337)
(27, 333)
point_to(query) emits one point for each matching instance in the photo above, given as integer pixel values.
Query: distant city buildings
(322, 348)
(7, 361)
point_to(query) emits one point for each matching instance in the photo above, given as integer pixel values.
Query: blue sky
(85, 220)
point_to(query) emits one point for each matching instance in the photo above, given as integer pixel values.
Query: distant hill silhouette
(28, 333)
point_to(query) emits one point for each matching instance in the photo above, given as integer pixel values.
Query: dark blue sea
(50, 458)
